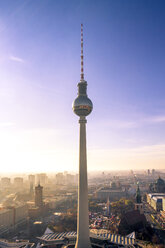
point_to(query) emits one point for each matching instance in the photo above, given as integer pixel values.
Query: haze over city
(40, 68)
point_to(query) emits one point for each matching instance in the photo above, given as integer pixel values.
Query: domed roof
(160, 181)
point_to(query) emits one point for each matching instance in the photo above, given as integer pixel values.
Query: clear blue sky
(124, 57)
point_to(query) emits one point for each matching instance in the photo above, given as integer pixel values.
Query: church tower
(38, 196)
(138, 202)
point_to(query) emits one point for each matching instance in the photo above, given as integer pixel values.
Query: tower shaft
(83, 240)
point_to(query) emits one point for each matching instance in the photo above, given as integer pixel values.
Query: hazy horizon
(40, 68)
(90, 172)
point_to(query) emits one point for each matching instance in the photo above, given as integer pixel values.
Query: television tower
(82, 106)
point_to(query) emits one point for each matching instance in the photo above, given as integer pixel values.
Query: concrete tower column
(83, 240)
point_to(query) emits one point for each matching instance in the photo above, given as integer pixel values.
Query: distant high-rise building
(82, 106)
(60, 179)
(39, 196)
(5, 182)
(31, 179)
(42, 178)
(18, 183)
(13, 216)
(31, 189)
(153, 172)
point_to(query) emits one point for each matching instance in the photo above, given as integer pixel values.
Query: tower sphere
(82, 105)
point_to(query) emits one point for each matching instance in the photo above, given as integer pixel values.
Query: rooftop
(94, 234)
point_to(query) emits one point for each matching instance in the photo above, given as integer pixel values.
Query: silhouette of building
(39, 196)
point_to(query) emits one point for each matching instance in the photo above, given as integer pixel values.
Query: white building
(156, 200)
(163, 204)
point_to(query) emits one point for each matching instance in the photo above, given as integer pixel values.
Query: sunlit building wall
(156, 200)
(163, 204)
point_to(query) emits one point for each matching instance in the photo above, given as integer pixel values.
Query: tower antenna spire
(82, 56)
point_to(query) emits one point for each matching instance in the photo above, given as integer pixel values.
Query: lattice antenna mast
(82, 56)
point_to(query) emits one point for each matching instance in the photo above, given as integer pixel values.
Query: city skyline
(40, 68)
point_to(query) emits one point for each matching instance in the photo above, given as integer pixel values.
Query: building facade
(12, 217)
(156, 200)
